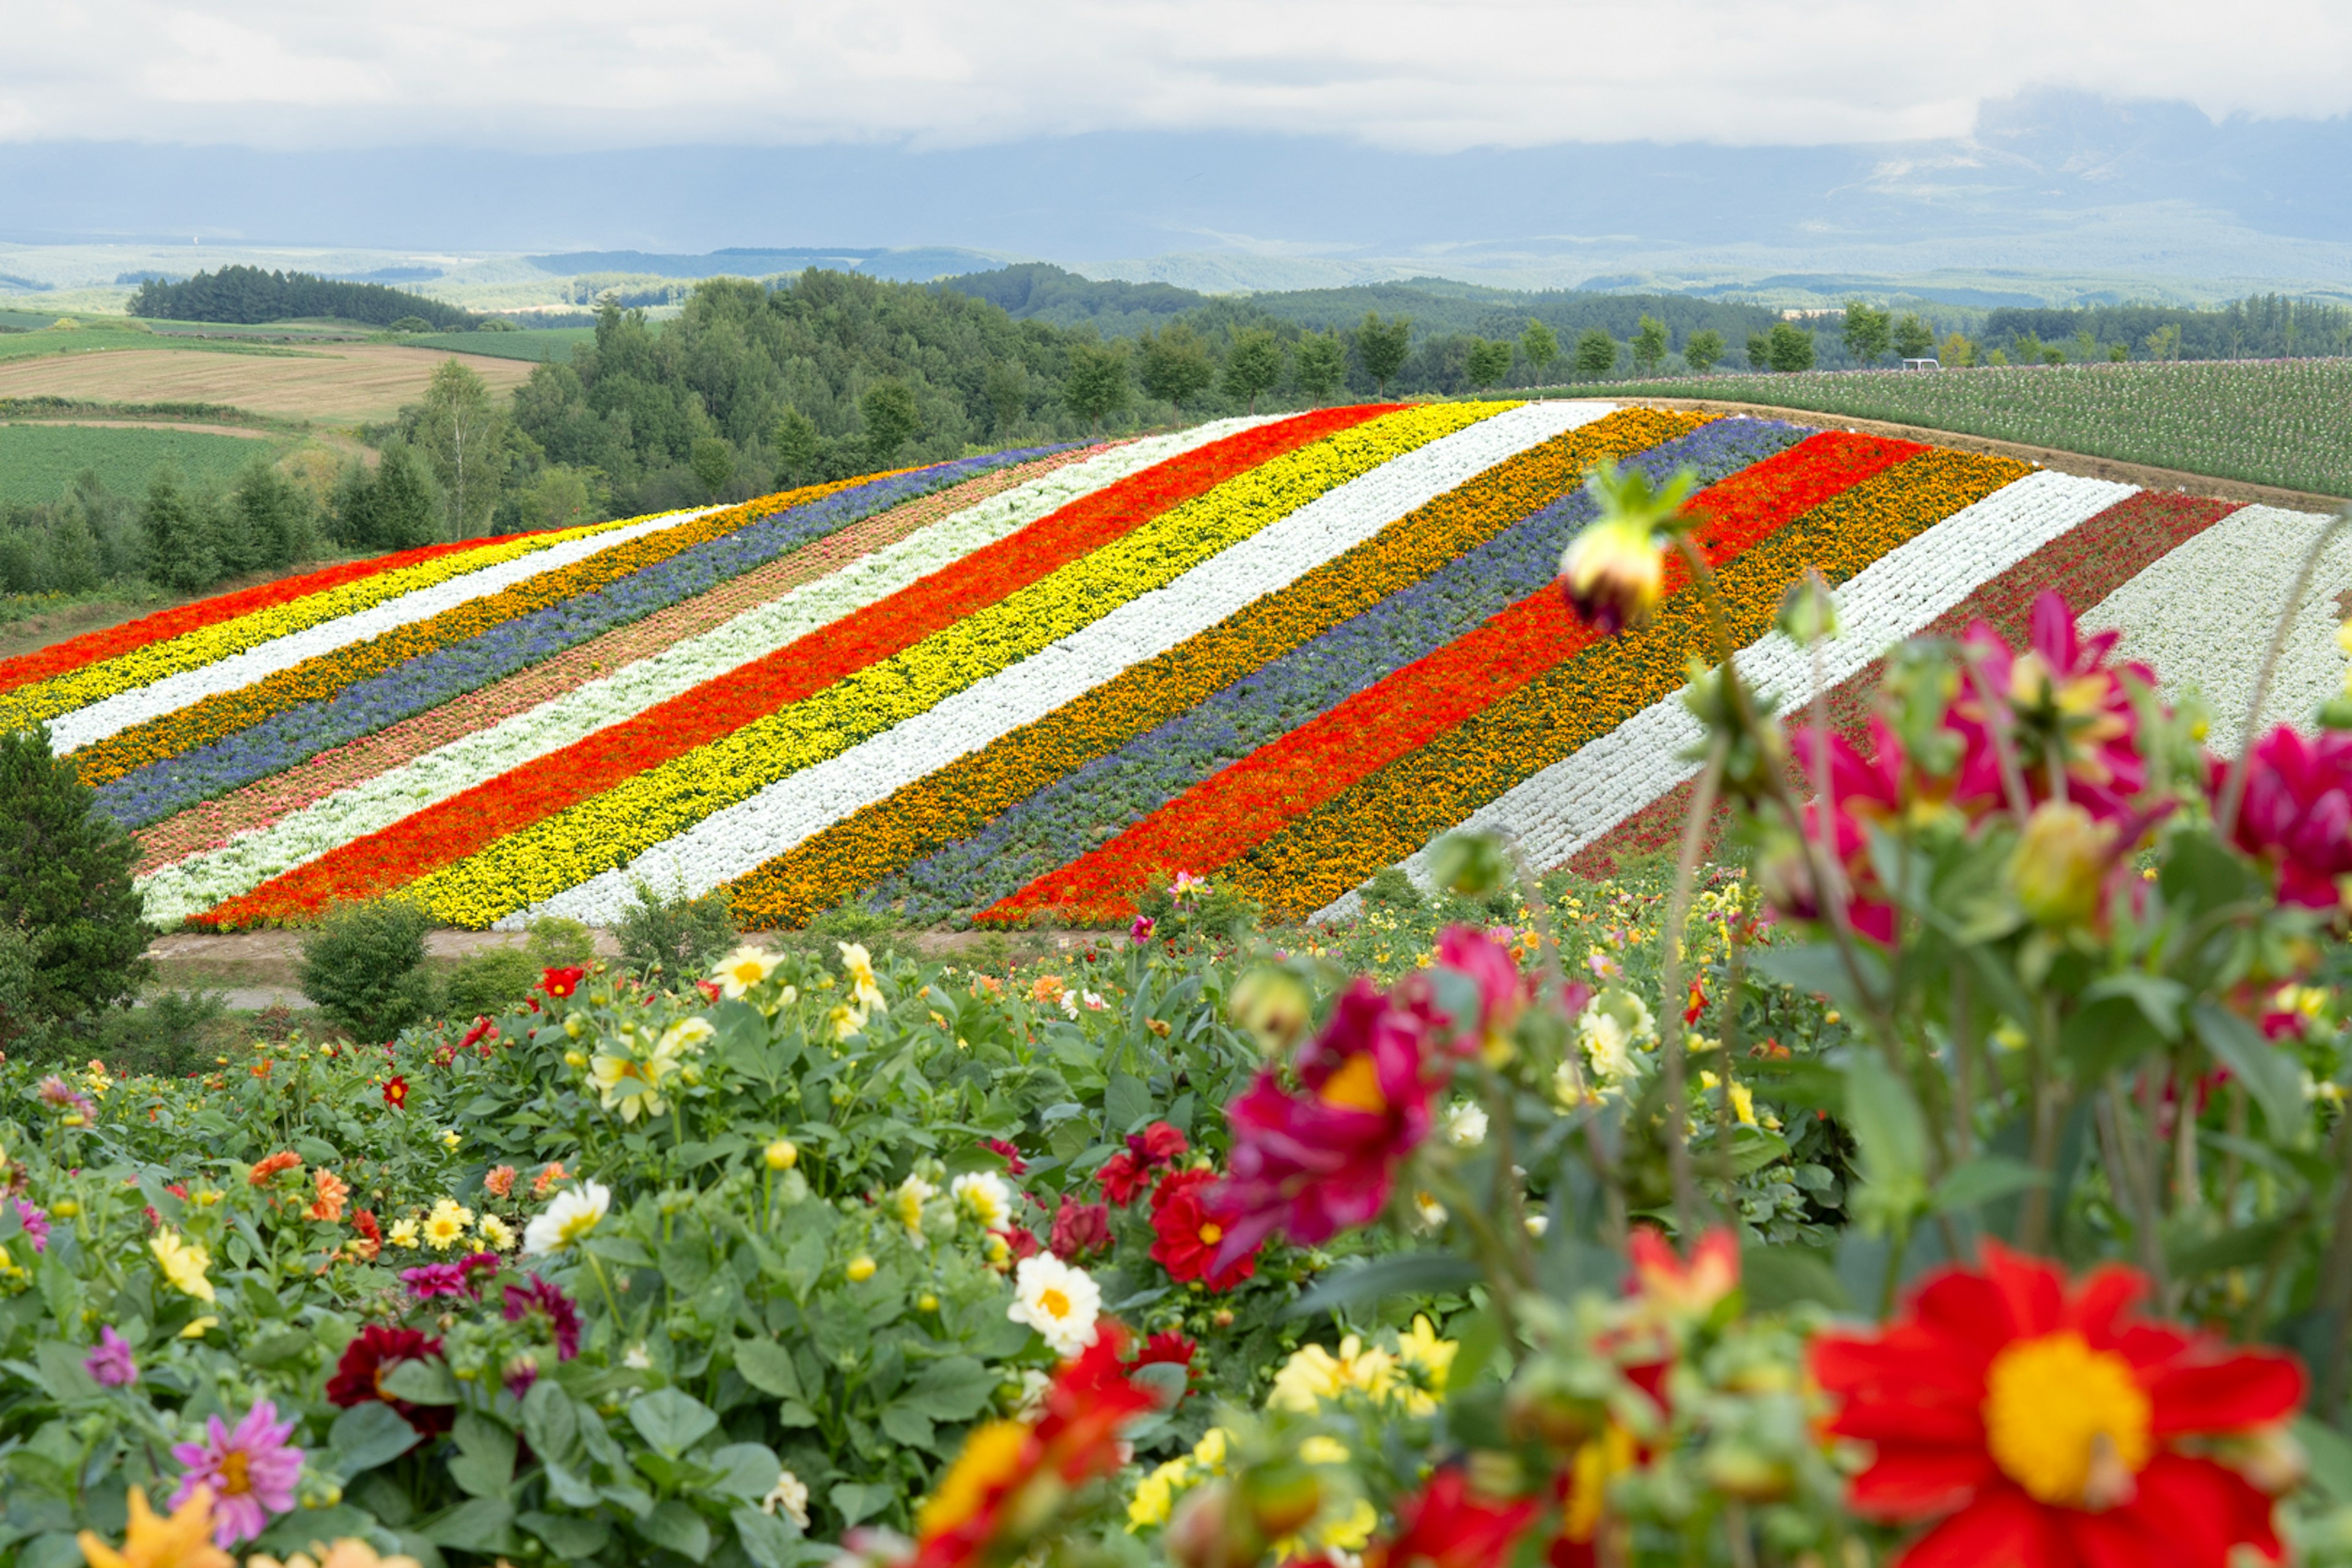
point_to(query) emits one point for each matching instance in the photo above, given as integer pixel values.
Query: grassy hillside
(38, 462)
(554, 343)
(2280, 422)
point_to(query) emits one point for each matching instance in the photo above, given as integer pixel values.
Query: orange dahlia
(2043, 1425)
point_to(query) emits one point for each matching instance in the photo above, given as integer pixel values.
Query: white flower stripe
(740, 837)
(2201, 618)
(1565, 806)
(69, 732)
(198, 882)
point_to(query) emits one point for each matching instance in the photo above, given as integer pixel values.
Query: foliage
(1253, 366)
(1913, 338)
(1540, 344)
(1788, 348)
(1867, 332)
(239, 293)
(671, 933)
(892, 419)
(489, 983)
(1596, 353)
(1097, 383)
(1489, 362)
(77, 937)
(1649, 345)
(470, 443)
(1175, 365)
(1704, 351)
(1381, 347)
(397, 507)
(364, 966)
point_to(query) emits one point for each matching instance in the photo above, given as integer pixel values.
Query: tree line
(248, 295)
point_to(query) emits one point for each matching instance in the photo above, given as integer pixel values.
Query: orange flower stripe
(1219, 819)
(453, 829)
(213, 823)
(962, 798)
(199, 723)
(1393, 813)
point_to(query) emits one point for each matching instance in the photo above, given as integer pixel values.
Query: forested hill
(248, 294)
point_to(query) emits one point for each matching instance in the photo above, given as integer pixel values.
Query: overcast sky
(549, 74)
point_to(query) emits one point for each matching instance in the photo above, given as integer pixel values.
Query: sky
(567, 75)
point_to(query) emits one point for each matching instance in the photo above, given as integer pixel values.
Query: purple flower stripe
(293, 734)
(1068, 818)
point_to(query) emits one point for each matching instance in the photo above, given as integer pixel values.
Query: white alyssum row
(737, 839)
(201, 881)
(71, 731)
(1565, 806)
(2202, 616)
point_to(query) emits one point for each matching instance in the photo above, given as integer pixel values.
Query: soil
(335, 383)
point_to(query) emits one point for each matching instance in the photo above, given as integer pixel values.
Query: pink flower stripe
(213, 823)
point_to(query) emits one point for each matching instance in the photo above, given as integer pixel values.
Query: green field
(37, 462)
(549, 343)
(2270, 422)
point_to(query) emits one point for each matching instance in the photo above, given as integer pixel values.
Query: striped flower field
(1288, 651)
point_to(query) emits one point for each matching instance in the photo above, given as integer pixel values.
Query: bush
(176, 1034)
(487, 983)
(558, 943)
(673, 934)
(65, 894)
(364, 967)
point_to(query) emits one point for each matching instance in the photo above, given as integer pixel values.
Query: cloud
(1412, 74)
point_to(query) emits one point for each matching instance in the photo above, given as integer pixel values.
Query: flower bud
(1272, 1006)
(860, 1270)
(1807, 611)
(782, 1154)
(1206, 1531)
(2060, 863)
(1739, 1470)
(1282, 1497)
(1612, 574)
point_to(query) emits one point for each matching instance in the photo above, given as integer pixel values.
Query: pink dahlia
(2067, 706)
(250, 1469)
(2297, 812)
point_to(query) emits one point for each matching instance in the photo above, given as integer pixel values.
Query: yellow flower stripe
(224, 712)
(612, 828)
(1387, 816)
(962, 798)
(29, 705)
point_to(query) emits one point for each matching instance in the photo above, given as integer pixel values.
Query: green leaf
(571, 1538)
(911, 1428)
(63, 1373)
(856, 1500)
(281, 1348)
(2331, 1457)
(677, 1526)
(484, 1465)
(2158, 998)
(767, 1541)
(316, 1150)
(367, 1435)
(477, 1525)
(1411, 1273)
(767, 1367)
(1982, 1180)
(1886, 1123)
(745, 1470)
(1776, 1277)
(671, 1420)
(2106, 1034)
(953, 1389)
(550, 1420)
(569, 1490)
(2272, 1076)
(1127, 1103)
(425, 1381)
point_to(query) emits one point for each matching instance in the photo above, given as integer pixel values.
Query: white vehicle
(1921, 364)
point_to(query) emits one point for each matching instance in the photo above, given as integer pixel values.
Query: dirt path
(2048, 456)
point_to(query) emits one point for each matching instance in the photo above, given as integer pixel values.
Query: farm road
(340, 382)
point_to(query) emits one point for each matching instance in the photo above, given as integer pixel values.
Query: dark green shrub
(487, 984)
(65, 894)
(175, 1034)
(558, 943)
(678, 936)
(1393, 888)
(364, 967)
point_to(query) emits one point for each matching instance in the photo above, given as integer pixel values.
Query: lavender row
(294, 734)
(1069, 816)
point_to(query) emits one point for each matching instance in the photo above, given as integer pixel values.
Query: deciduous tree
(1649, 343)
(713, 462)
(1914, 338)
(1867, 332)
(1489, 362)
(1382, 346)
(1174, 363)
(462, 432)
(1541, 346)
(1790, 348)
(1702, 350)
(1596, 355)
(1321, 365)
(1096, 383)
(1252, 365)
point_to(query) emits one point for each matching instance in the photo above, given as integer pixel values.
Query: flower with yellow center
(983, 1198)
(685, 1038)
(567, 1221)
(498, 1232)
(1155, 1494)
(743, 968)
(451, 1139)
(402, 1233)
(1059, 1300)
(1314, 1375)
(846, 1021)
(182, 1540)
(1423, 1352)
(905, 1202)
(183, 1264)
(446, 1225)
(857, 965)
(2068, 1423)
(629, 1085)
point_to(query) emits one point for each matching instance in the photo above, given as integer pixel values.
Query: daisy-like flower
(846, 1021)
(404, 1233)
(1058, 1299)
(857, 965)
(446, 1225)
(1466, 1125)
(630, 1084)
(561, 982)
(742, 970)
(395, 1092)
(250, 1470)
(34, 1221)
(564, 1223)
(498, 1232)
(154, 1541)
(183, 1264)
(1187, 887)
(905, 1202)
(549, 1175)
(59, 1095)
(431, 1279)
(543, 1301)
(684, 1038)
(790, 1494)
(284, 1160)
(1314, 1375)
(370, 1357)
(334, 1192)
(498, 1181)
(984, 1197)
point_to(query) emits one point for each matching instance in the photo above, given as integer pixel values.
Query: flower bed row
(242, 732)
(737, 839)
(213, 823)
(469, 760)
(1216, 821)
(658, 804)
(150, 662)
(1398, 810)
(453, 829)
(972, 798)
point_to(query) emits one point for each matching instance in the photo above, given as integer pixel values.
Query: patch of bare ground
(338, 382)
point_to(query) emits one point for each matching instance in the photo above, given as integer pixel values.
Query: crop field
(2276, 422)
(339, 383)
(1291, 651)
(38, 461)
(548, 344)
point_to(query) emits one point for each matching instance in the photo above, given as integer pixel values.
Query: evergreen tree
(65, 887)
(277, 516)
(1252, 365)
(1174, 364)
(403, 508)
(180, 541)
(1321, 365)
(713, 462)
(796, 444)
(1382, 347)
(1005, 392)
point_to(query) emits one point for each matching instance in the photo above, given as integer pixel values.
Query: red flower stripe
(2085, 565)
(1220, 818)
(450, 830)
(94, 647)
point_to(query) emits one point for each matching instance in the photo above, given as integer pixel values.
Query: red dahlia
(2039, 1425)
(370, 1358)
(1126, 1174)
(1187, 1233)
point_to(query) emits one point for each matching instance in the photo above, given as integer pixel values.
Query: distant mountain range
(2054, 198)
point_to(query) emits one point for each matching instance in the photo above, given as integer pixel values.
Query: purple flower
(251, 1471)
(540, 1299)
(433, 1280)
(475, 1263)
(35, 1221)
(59, 1095)
(111, 1363)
